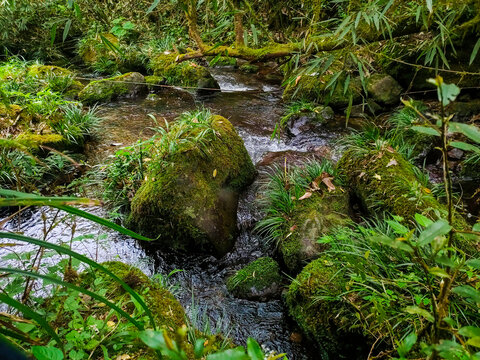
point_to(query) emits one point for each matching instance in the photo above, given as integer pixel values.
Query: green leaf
(233, 354)
(467, 291)
(153, 339)
(254, 350)
(53, 34)
(415, 310)
(430, 6)
(476, 227)
(474, 341)
(393, 243)
(66, 29)
(470, 131)
(47, 353)
(198, 348)
(153, 6)
(407, 344)
(423, 220)
(426, 130)
(447, 93)
(475, 52)
(438, 272)
(474, 263)
(397, 227)
(438, 228)
(469, 331)
(464, 146)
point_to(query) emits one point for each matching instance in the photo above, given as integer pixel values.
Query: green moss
(312, 218)
(222, 61)
(313, 88)
(190, 198)
(185, 73)
(35, 140)
(385, 182)
(249, 68)
(314, 301)
(112, 88)
(255, 279)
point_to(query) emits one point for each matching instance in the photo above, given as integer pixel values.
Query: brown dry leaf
(390, 149)
(392, 162)
(297, 79)
(195, 120)
(293, 228)
(362, 174)
(215, 173)
(306, 195)
(314, 185)
(327, 180)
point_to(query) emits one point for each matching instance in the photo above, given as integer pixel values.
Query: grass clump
(301, 204)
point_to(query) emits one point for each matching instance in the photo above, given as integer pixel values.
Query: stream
(253, 105)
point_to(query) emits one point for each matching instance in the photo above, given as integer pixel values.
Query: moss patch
(107, 89)
(312, 218)
(314, 302)
(258, 280)
(186, 73)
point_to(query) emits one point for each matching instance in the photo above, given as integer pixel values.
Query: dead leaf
(392, 162)
(297, 79)
(123, 357)
(195, 120)
(293, 228)
(306, 195)
(327, 180)
(378, 177)
(293, 198)
(362, 174)
(390, 149)
(215, 173)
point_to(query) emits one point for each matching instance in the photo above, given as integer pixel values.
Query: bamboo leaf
(153, 6)
(467, 291)
(66, 29)
(430, 6)
(464, 146)
(475, 52)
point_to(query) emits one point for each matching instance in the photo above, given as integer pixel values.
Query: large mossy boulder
(58, 79)
(130, 84)
(314, 301)
(185, 73)
(189, 198)
(312, 218)
(259, 280)
(385, 182)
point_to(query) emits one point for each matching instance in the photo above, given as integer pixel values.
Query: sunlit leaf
(438, 228)
(415, 310)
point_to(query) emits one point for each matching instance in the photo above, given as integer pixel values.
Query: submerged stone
(130, 84)
(189, 199)
(259, 280)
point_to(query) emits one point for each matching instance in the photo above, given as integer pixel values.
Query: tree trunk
(237, 19)
(191, 15)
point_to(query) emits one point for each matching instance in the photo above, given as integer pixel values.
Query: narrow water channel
(253, 106)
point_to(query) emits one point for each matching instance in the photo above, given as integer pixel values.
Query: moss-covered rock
(384, 89)
(249, 68)
(59, 79)
(314, 301)
(314, 88)
(30, 140)
(189, 199)
(186, 73)
(385, 182)
(312, 218)
(259, 280)
(129, 84)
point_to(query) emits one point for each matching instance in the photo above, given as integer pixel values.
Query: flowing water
(253, 106)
